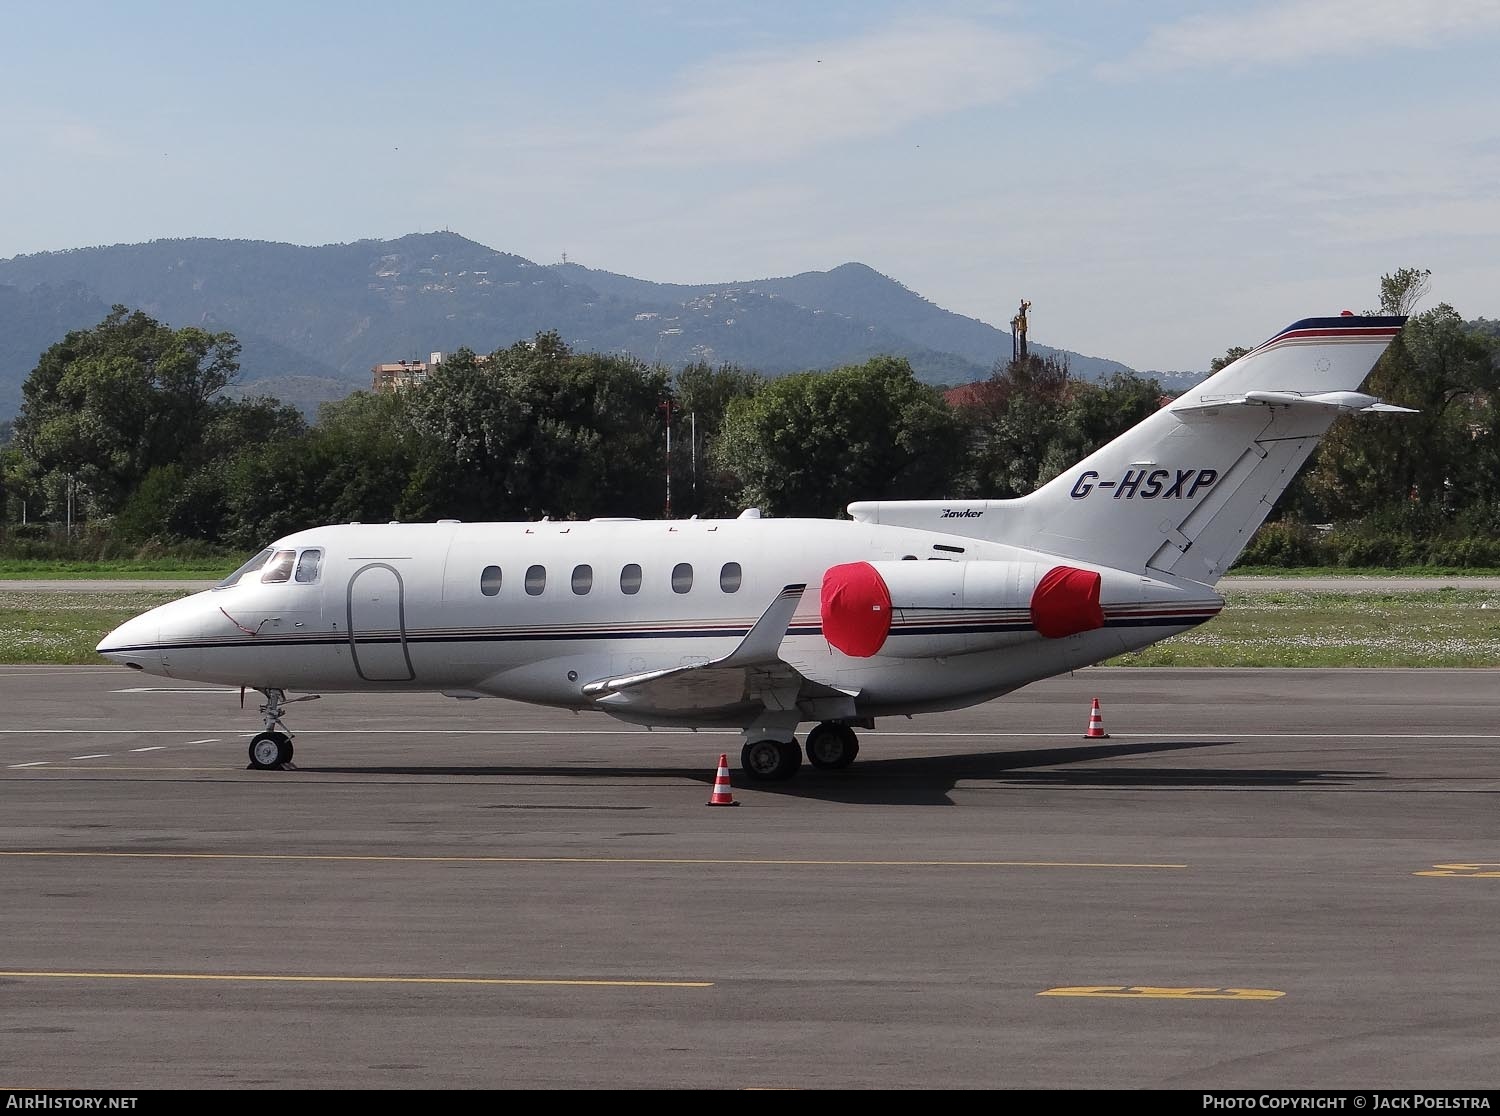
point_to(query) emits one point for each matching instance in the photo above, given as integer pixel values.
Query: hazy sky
(1161, 180)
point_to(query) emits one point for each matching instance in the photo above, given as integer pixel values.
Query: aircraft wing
(753, 673)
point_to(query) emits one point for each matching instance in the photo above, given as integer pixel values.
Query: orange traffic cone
(721, 795)
(1096, 725)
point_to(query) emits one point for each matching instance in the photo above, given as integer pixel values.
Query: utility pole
(667, 408)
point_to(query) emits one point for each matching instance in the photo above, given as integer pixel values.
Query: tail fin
(1182, 492)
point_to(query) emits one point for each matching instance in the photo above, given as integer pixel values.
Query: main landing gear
(831, 746)
(272, 750)
(771, 761)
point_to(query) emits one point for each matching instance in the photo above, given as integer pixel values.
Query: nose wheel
(271, 750)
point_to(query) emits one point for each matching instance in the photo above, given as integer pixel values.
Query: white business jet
(766, 624)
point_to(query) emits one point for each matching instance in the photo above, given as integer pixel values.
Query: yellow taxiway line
(274, 978)
(1146, 992)
(700, 861)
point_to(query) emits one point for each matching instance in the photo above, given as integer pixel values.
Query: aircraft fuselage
(537, 611)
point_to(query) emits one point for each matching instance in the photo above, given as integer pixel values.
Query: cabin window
(630, 580)
(279, 568)
(489, 581)
(729, 577)
(248, 568)
(536, 580)
(682, 577)
(309, 562)
(583, 579)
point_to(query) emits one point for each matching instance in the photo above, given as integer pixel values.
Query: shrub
(1285, 543)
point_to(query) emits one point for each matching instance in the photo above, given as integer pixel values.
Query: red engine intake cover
(856, 607)
(1066, 602)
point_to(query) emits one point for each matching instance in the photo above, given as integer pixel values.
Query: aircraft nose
(135, 644)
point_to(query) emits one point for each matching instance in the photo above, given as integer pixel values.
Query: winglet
(762, 643)
(760, 647)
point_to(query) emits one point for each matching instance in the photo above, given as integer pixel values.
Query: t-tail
(1182, 492)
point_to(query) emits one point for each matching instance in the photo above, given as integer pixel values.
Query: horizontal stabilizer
(1348, 401)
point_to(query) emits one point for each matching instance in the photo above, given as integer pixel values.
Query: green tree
(810, 443)
(467, 429)
(105, 406)
(363, 447)
(702, 394)
(18, 482)
(1232, 354)
(189, 498)
(353, 465)
(1402, 289)
(1417, 468)
(1031, 420)
(1013, 419)
(537, 430)
(1097, 413)
(271, 490)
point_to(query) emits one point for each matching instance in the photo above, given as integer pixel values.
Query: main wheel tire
(771, 761)
(832, 747)
(270, 751)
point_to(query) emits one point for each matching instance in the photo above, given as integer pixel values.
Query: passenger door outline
(376, 661)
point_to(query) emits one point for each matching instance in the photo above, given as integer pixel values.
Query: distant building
(399, 376)
(408, 373)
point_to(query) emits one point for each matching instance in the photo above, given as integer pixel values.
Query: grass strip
(1290, 628)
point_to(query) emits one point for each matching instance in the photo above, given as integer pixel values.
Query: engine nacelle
(932, 608)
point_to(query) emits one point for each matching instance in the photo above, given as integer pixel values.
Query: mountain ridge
(318, 317)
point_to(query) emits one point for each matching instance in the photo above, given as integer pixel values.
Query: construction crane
(1018, 332)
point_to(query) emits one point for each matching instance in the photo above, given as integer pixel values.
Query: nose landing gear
(272, 750)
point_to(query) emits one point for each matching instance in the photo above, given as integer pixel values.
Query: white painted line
(96, 755)
(172, 690)
(1140, 734)
(153, 748)
(33, 763)
(1178, 735)
(71, 672)
(1173, 735)
(210, 740)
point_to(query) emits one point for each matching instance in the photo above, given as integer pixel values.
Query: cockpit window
(309, 562)
(279, 568)
(248, 568)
